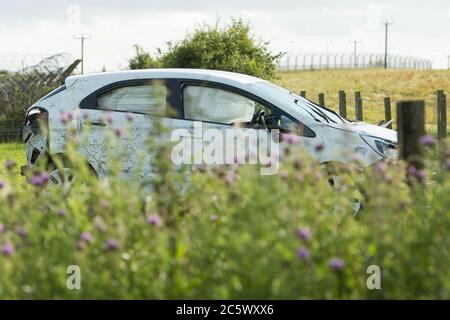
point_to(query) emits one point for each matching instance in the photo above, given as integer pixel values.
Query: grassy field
(14, 151)
(374, 85)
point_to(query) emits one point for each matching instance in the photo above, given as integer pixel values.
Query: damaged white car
(182, 99)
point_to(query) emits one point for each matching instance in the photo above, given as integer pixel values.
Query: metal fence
(320, 61)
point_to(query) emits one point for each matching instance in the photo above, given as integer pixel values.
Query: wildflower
(304, 254)
(10, 164)
(118, 132)
(61, 212)
(129, 117)
(411, 170)
(380, 167)
(66, 117)
(284, 174)
(8, 249)
(86, 237)
(290, 138)
(2, 184)
(154, 220)
(214, 218)
(448, 165)
(304, 233)
(319, 147)
(427, 141)
(21, 232)
(111, 244)
(2, 228)
(421, 175)
(39, 179)
(230, 178)
(336, 264)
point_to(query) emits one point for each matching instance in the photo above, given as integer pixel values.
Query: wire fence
(323, 61)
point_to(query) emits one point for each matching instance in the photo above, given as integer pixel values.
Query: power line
(82, 37)
(386, 28)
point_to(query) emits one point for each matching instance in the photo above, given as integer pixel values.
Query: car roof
(198, 74)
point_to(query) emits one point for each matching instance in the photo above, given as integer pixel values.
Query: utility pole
(82, 37)
(355, 44)
(386, 28)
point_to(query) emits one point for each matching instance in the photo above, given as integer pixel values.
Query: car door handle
(97, 123)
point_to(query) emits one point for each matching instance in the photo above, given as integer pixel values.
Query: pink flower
(86, 237)
(304, 233)
(8, 249)
(304, 254)
(155, 220)
(336, 264)
(112, 244)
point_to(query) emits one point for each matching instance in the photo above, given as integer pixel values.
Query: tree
(231, 48)
(142, 59)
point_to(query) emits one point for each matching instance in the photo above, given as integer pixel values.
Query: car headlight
(383, 147)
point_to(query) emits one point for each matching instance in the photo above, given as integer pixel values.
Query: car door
(215, 108)
(117, 120)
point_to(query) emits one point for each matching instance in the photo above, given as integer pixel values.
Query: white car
(214, 99)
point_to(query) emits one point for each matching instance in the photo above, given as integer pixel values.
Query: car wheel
(63, 177)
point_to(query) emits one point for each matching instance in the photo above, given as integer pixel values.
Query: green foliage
(143, 60)
(231, 48)
(229, 233)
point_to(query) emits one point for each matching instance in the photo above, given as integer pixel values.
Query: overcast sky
(31, 29)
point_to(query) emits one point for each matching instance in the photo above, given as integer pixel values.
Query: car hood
(369, 129)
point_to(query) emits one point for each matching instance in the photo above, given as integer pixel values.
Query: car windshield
(317, 112)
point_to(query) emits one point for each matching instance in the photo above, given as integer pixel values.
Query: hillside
(374, 84)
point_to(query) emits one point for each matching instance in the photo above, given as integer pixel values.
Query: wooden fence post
(411, 126)
(358, 106)
(387, 111)
(441, 115)
(321, 99)
(303, 94)
(342, 104)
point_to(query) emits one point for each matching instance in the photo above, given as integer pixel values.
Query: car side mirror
(272, 121)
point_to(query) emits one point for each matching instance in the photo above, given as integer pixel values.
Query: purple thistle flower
(86, 237)
(39, 179)
(21, 231)
(10, 164)
(304, 233)
(118, 132)
(290, 138)
(427, 141)
(8, 249)
(2, 184)
(380, 167)
(155, 220)
(66, 117)
(336, 264)
(61, 212)
(421, 175)
(411, 170)
(304, 254)
(130, 117)
(319, 147)
(230, 178)
(111, 244)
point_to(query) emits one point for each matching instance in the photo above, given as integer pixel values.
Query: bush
(231, 48)
(229, 233)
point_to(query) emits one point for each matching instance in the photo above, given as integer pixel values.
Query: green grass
(14, 151)
(374, 85)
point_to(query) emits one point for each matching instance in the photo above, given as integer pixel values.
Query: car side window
(289, 125)
(148, 99)
(218, 105)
